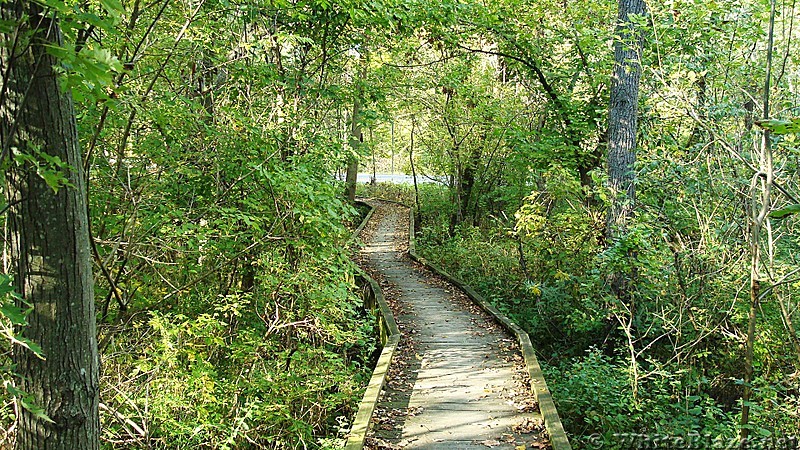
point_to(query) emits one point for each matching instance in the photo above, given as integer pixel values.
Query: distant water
(393, 178)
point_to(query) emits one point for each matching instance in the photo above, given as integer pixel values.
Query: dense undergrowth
(227, 311)
(229, 331)
(686, 382)
(277, 363)
(271, 355)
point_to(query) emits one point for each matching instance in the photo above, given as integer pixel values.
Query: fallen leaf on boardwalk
(520, 447)
(528, 426)
(380, 444)
(526, 405)
(491, 443)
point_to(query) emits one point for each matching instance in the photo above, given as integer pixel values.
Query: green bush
(595, 400)
(231, 379)
(576, 324)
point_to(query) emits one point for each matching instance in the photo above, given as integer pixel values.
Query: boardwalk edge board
(552, 422)
(364, 221)
(389, 337)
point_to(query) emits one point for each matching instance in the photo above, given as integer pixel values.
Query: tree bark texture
(623, 118)
(49, 241)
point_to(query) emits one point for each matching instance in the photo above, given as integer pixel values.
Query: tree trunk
(761, 203)
(49, 244)
(413, 168)
(356, 137)
(622, 128)
(469, 179)
(623, 118)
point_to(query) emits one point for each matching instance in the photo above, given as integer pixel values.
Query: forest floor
(458, 380)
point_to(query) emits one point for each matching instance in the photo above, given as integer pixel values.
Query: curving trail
(457, 381)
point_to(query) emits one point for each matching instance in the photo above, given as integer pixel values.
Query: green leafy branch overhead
(776, 126)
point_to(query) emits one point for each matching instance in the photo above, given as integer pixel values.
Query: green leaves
(71, 11)
(50, 168)
(113, 7)
(13, 314)
(784, 212)
(87, 67)
(57, 5)
(777, 126)
(28, 402)
(8, 298)
(92, 69)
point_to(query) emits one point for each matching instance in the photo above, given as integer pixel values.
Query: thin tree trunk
(760, 194)
(413, 168)
(50, 245)
(793, 336)
(467, 194)
(523, 265)
(392, 172)
(374, 163)
(356, 136)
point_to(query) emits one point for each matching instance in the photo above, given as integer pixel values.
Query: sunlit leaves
(92, 68)
(28, 402)
(113, 7)
(780, 126)
(50, 168)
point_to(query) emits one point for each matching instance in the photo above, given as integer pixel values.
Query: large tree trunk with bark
(622, 128)
(623, 118)
(49, 242)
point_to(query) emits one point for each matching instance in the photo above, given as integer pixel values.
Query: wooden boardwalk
(458, 380)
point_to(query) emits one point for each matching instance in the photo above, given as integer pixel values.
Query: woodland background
(226, 307)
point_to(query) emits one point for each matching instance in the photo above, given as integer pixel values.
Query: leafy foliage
(228, 316)
(669, 360)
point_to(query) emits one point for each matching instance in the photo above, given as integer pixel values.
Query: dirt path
(457, 381)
